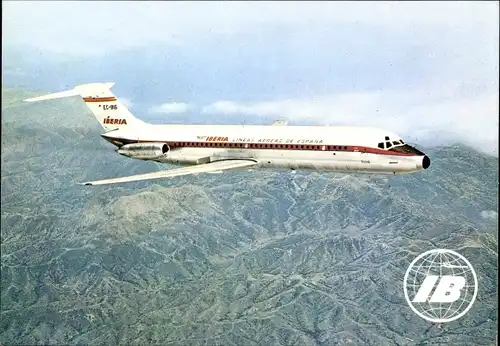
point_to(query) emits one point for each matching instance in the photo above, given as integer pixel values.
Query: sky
(425, 70)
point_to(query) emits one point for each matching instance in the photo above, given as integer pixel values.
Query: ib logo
(440, 285)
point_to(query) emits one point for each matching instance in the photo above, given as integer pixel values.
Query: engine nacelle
(144, 151)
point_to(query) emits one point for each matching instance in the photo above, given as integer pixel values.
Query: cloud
(426, 70)
(229, 107)
(489, 214)
(427, 116)
(65, 27)
(170, 108)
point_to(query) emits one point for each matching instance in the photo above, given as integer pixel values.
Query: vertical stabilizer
(108, 110)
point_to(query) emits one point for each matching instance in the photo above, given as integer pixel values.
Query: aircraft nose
(426, 162)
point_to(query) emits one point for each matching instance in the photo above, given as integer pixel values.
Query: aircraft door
(365, 159)
(364, 156)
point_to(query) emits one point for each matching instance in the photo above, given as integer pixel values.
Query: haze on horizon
(428, 71)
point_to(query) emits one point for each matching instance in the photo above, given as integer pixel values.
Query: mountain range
(244, 258)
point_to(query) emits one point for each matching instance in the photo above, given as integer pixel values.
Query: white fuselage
(322, 148)
(219, 148)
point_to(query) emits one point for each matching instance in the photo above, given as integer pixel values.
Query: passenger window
(381, 145)
(345, 148)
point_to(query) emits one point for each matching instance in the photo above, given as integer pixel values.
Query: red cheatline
(99, 99)
(235, 145)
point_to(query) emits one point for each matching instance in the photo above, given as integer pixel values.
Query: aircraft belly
(299, 160)
(341, 162)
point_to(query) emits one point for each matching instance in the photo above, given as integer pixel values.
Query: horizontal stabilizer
(217, 166)
(53, 96)
(82, 90)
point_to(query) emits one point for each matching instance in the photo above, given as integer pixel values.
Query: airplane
(217, 148)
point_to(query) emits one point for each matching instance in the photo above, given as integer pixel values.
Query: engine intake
(144, 151)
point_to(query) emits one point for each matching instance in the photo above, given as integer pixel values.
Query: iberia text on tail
(108, 110)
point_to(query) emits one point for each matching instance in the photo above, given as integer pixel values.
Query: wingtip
(85, 184)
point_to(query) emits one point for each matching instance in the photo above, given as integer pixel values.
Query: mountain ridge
(240, 258)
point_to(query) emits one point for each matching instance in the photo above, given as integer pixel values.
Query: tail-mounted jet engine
(144, 151)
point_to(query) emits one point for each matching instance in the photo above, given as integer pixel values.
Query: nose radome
(426, 162)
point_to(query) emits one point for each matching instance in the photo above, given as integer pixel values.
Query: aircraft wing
(280, 123)
(217, 166)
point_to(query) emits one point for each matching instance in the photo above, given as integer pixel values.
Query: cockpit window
(388, 144)
(407, 150)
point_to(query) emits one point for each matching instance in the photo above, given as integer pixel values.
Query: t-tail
(108, 110)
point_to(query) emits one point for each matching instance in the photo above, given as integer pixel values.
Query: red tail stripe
(99, 99)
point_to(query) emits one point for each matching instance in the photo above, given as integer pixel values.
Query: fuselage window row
(259, 146)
